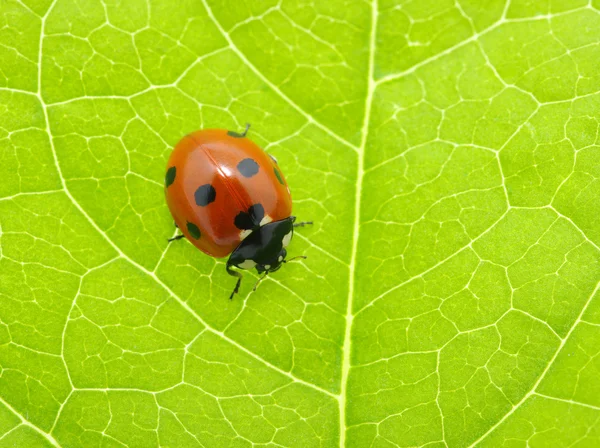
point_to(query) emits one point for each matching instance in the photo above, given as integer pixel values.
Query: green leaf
(448, 153)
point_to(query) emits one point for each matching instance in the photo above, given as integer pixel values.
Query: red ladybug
(228, 196)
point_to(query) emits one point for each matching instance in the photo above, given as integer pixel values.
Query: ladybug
(227, 196)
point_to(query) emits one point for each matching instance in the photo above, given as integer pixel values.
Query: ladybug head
(273, 265)
(264, 249)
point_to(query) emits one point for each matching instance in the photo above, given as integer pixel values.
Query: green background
(448, 152)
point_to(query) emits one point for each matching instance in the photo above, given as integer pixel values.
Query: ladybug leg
(175, 238)
(303, 223)
(246, 130)
(237, 134)
(239, 281)
(259, 280)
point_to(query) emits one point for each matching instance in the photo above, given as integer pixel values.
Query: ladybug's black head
(273, 265)
(264, 249)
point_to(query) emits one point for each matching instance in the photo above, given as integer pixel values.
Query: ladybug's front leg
(260, 280)
(237, 285)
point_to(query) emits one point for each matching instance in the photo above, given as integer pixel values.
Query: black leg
(246, 130)
(175, 238)
(303, 223)
(236, 289)
(239, 281)
(258, 281)
(237, 134)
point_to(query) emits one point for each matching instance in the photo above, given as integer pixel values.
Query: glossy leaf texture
(448, 153)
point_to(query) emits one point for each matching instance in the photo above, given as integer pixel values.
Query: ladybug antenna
(304, 257)
(302, 224)
(246, 130)
(259, 280)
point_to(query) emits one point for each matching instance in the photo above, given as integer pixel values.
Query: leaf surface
(448, 153)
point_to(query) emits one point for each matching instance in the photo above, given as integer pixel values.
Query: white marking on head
(286, 239)
(266, 220)
(280, 259)
(267, 266)
(247, 264)
(244, 234)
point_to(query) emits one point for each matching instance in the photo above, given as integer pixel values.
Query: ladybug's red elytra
(227, 196)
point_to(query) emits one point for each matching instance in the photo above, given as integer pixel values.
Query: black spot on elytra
(251, 219)
(205, 194)
(278, 176)
(247, 167)
(170, 176)
(193, 230)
